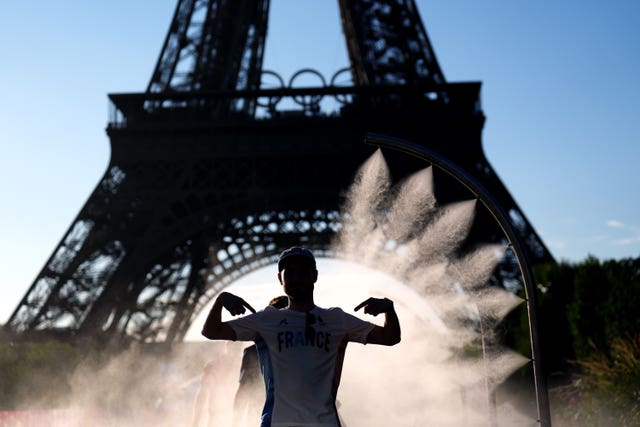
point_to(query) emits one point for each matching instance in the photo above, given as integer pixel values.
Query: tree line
(589, 328)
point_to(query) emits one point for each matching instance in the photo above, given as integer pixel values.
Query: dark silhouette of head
(297, 273)
(298, 254)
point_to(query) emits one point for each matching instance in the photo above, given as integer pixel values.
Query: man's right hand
(214, 328)
(234, 304)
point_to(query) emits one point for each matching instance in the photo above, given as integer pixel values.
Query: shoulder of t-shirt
(258, 314)
(268, 311)
(332, 310)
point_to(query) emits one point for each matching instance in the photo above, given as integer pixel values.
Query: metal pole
(542, 398)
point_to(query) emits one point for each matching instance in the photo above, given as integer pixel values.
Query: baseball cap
(296, 252)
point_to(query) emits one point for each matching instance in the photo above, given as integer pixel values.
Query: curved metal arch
(542, 399)
(253, 243)
(244, 227)
(267, 258)
(187, 274)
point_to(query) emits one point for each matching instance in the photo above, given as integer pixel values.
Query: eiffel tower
(214, 171)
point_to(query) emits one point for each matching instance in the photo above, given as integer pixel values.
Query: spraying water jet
(514, 244)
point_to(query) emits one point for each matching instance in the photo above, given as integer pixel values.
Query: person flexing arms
(303, 344)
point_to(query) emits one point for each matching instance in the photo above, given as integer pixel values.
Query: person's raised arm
(389, 334)
(214, 328)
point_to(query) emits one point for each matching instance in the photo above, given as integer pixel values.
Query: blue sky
(560, 91)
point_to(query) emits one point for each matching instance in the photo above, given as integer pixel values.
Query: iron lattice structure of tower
(211, 177)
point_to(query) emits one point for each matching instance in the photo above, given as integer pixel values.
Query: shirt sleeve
(247, 327)
(357, 330)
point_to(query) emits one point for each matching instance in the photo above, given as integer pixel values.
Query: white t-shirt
(305, 368)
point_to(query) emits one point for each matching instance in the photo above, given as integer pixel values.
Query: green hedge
(35, 374)
(587, 302)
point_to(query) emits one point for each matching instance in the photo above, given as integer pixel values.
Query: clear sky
(560, 91)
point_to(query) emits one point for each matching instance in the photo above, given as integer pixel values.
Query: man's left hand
(375, 306)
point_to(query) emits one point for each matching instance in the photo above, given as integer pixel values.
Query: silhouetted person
(212, 406)
(304, 344)
(251, 388)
